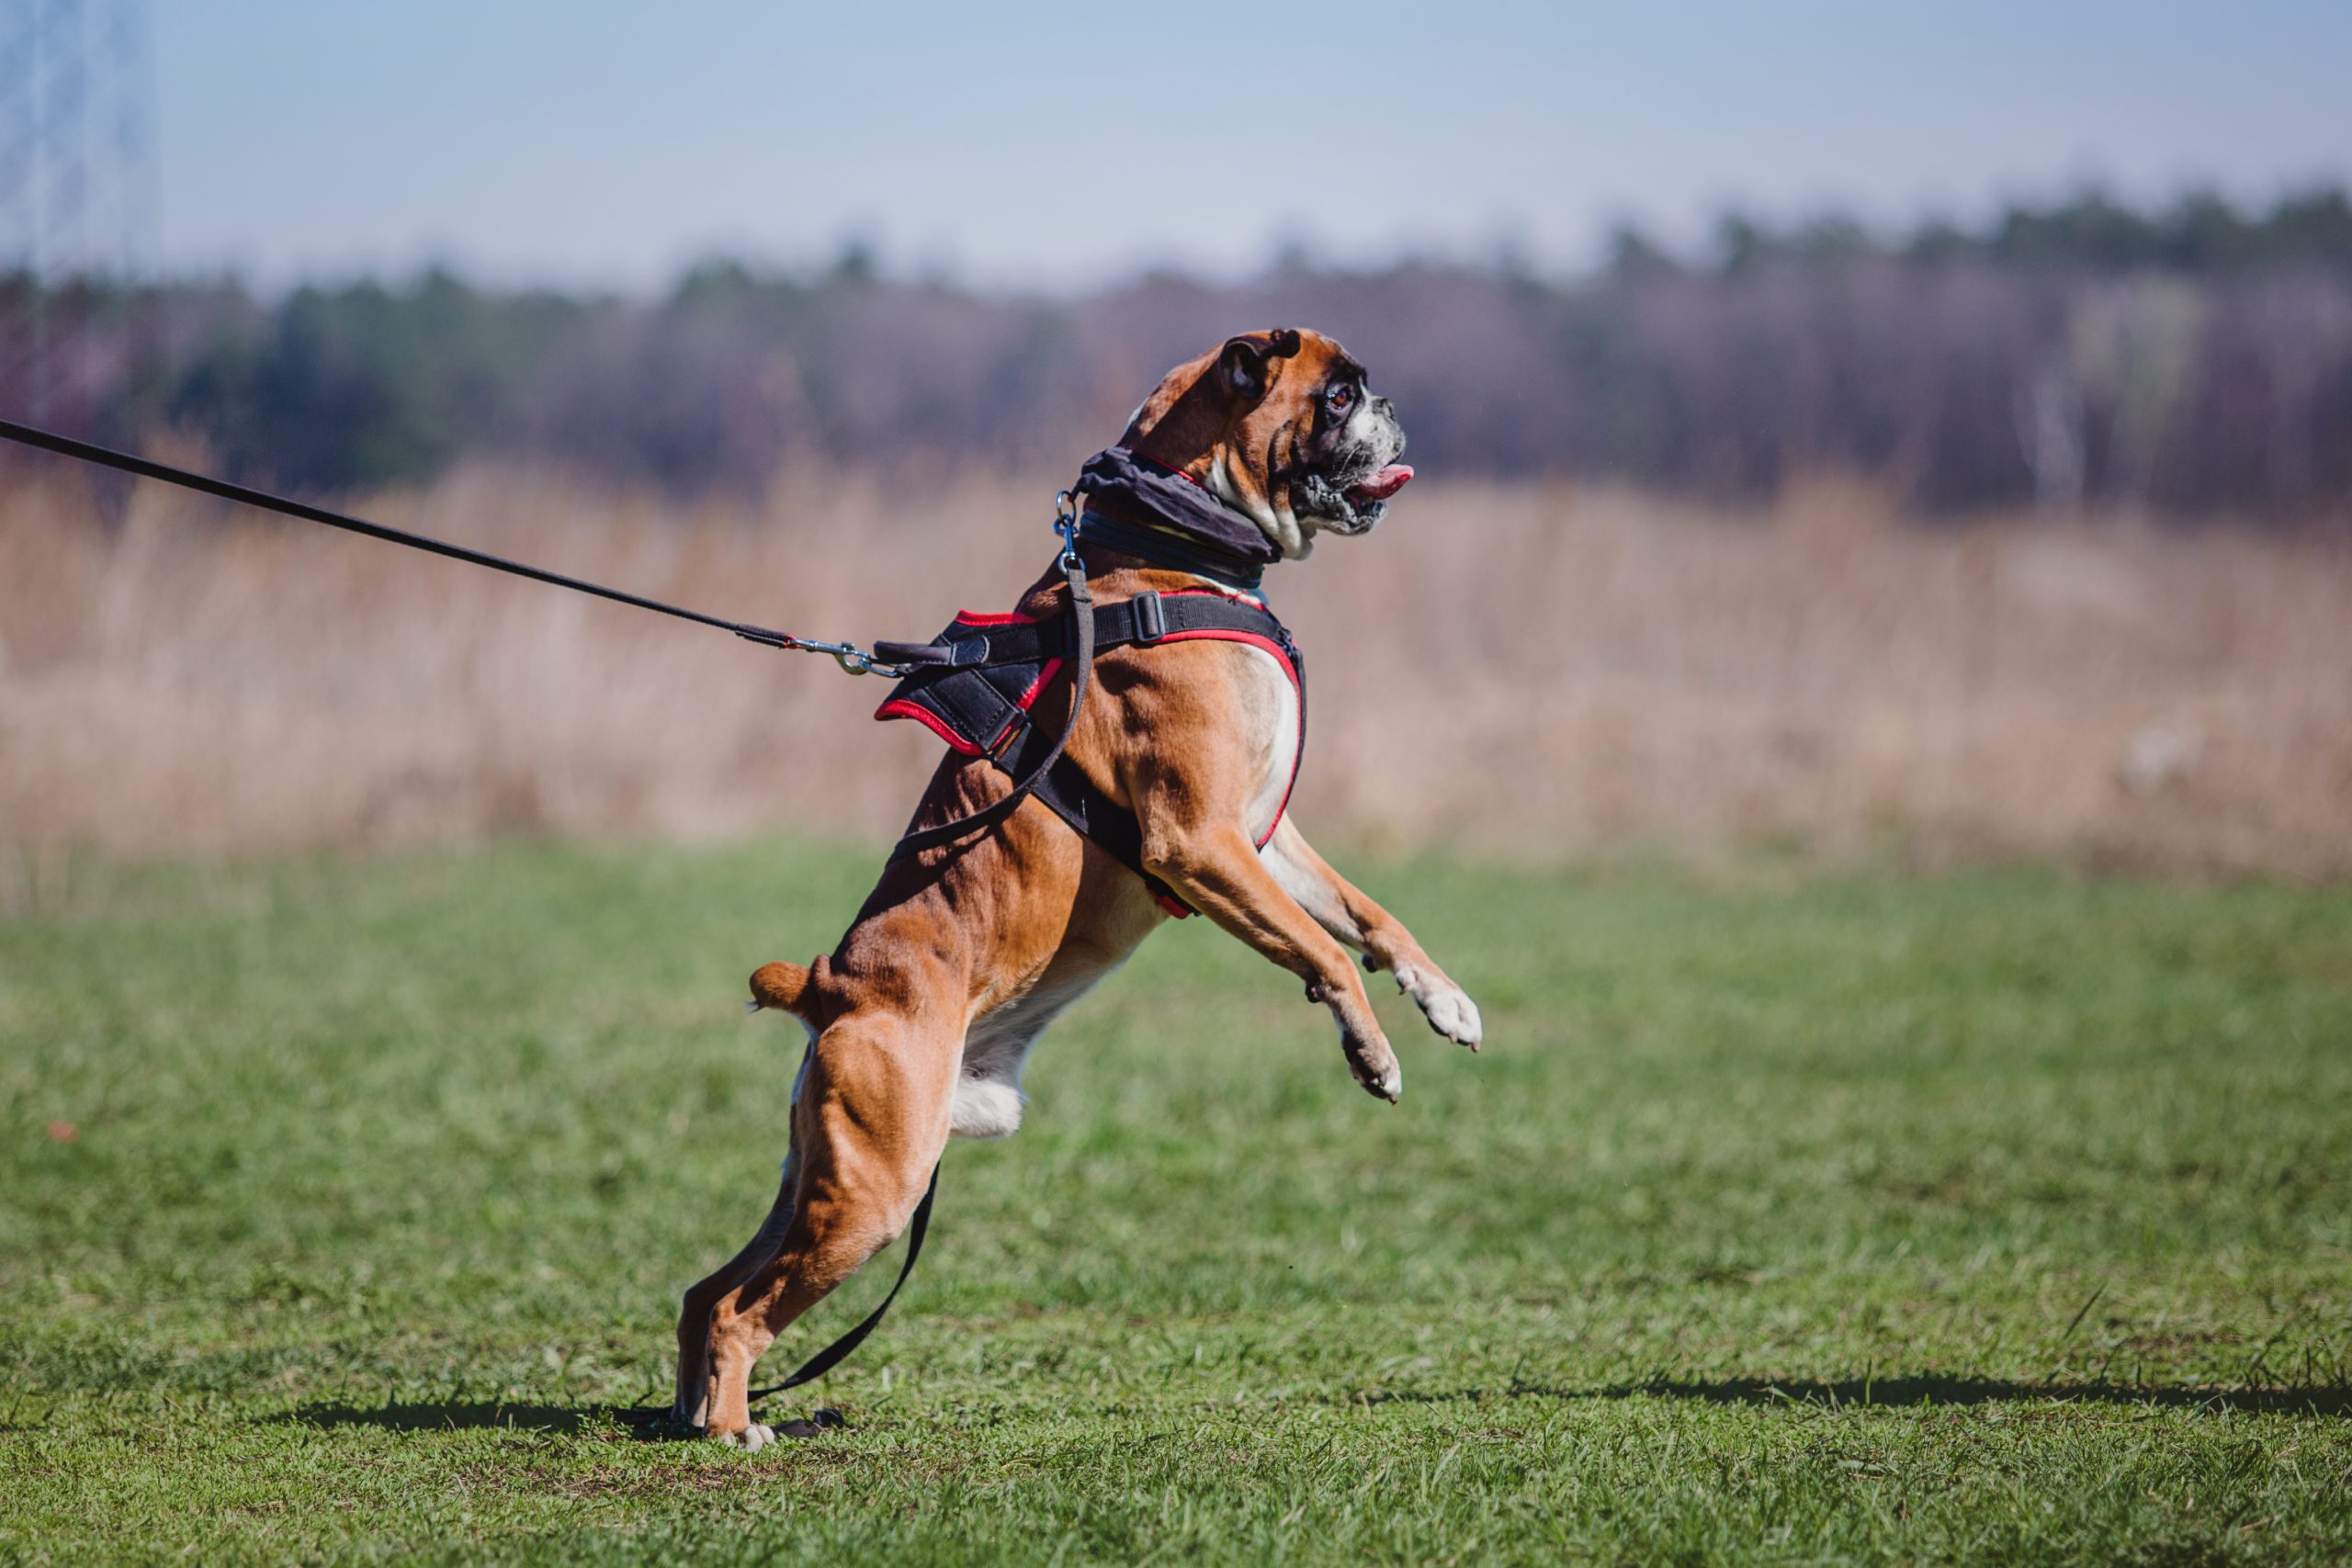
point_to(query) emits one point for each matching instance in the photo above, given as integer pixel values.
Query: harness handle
(912, 656)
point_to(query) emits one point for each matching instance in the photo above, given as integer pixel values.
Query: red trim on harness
(899, 707)
(1046, 672)
(1218, 633)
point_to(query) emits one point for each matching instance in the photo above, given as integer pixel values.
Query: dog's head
(1282, 426)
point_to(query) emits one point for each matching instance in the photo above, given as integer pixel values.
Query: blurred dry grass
(1552, 670)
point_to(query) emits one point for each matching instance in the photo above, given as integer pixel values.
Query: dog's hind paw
(751, 1439)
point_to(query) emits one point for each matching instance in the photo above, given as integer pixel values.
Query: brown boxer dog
(920, 1021)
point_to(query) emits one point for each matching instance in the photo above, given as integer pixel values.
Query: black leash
(832, 1355)
(851, 656)
(1113, 471)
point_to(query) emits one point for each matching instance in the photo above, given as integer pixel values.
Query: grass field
(1788, 1216)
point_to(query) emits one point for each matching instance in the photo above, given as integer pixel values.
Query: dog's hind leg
(868, 1127)
(688, 1413)
(785, 987)
(691, 1409)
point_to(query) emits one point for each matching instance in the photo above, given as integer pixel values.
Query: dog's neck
(1197, 436)
(1165, 517)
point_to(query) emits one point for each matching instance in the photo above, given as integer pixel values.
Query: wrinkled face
(1284, 427)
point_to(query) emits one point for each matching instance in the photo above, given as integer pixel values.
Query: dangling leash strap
(832, 1355)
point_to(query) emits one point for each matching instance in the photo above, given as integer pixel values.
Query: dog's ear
(1244, 368)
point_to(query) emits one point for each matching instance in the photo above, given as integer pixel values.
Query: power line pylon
(77, 196)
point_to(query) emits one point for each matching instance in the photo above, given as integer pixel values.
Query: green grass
(1999, 1216)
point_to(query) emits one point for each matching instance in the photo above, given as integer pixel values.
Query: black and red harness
(976, 683)
(979, 699)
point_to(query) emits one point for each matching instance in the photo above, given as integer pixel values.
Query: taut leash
(851, 657)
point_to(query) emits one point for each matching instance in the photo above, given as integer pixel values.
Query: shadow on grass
(2315, 1400)
(644, 1421)
(473, 1415)
(2325, 1399)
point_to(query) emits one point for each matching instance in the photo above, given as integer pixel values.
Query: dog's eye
(1343, 398)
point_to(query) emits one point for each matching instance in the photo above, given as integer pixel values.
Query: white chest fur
(1269, 710)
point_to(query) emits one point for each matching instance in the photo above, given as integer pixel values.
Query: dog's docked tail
(781, 987)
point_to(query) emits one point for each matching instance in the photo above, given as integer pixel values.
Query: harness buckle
(1010, 740)
(1151, 623)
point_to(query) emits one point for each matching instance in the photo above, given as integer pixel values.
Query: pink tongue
(1384, 484)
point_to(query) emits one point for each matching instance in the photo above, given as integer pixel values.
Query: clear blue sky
(594, 142)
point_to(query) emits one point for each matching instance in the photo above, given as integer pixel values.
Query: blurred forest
(1831, 539)
(2193, 361)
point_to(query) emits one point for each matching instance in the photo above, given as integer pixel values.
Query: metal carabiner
(853, 660)
(1065, 524)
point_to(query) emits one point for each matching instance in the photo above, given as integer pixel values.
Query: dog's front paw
(1447, 1006)
(1373, 1064)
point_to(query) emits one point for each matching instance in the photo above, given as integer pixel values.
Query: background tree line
(2195, 360)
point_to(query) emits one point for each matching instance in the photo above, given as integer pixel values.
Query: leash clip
(1065, 524)
(854, 659)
